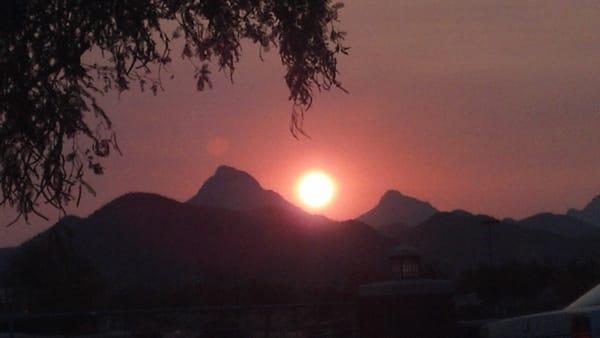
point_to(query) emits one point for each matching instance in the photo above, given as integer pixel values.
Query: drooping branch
(52, 129)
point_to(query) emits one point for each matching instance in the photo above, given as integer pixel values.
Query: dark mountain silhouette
(396, 211)
(591, 212)
(459, 241)
(233, 231)
(47, 273)
(233, 189)
(147, 239)
(392, 230)
(560, 224)
(5, 255)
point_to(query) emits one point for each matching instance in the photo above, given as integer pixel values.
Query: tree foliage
(58, 56)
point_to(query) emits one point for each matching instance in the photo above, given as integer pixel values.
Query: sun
(316, 189)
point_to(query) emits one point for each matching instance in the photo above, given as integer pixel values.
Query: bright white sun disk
(316, 189)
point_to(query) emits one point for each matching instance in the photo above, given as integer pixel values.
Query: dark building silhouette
(406, 263)
(408, 306)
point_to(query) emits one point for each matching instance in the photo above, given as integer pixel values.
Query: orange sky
(490, 106)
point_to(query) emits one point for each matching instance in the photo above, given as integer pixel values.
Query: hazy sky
(489, 106)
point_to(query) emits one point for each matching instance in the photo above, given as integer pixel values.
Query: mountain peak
(225, 170)
(234, 189)
(395, 196)
(395, 207)
(391, 194)
(591, 212)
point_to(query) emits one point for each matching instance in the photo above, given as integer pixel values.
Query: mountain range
(233, 229)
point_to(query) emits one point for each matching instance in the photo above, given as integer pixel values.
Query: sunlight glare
(316, 189)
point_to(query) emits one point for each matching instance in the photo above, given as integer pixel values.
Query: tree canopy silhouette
(58, 56)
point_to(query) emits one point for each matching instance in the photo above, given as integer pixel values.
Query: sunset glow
(316, 189)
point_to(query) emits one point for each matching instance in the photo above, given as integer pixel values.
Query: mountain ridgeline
(235, 231)
(458, 241)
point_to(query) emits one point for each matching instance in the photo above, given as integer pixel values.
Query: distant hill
(396, 211)
(458, 241)
(560, 224)
(147, 239)
(233, 189)
(591, 212)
